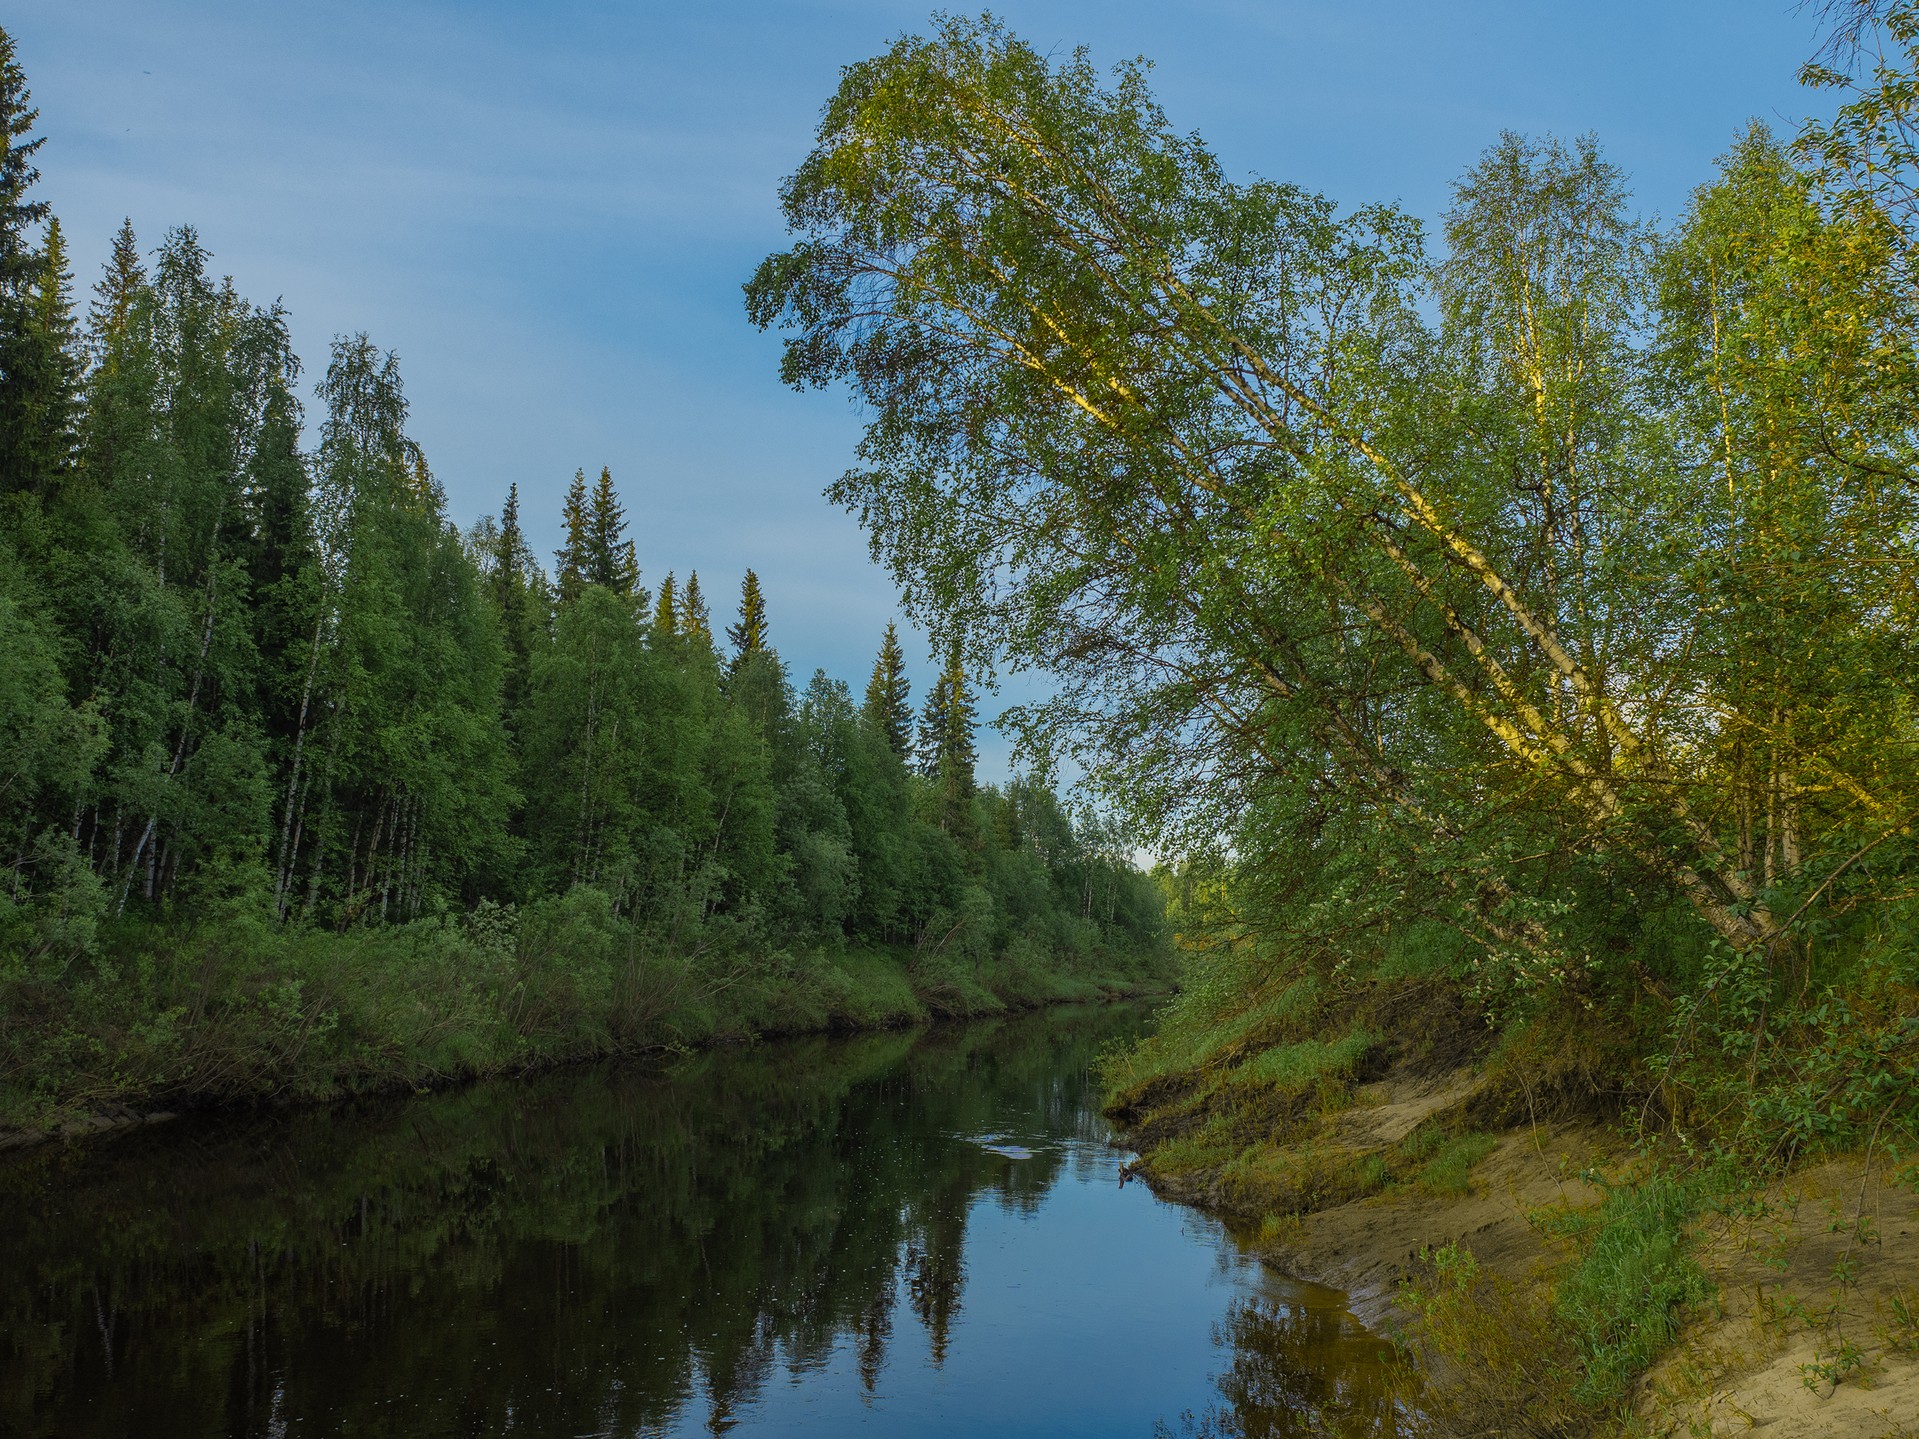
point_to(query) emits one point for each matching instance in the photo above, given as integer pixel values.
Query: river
(911, 1234)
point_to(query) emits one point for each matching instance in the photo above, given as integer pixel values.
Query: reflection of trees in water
(563, 1255)
(1299, 1370)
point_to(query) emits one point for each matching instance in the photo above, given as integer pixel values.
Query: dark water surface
(902, 1234)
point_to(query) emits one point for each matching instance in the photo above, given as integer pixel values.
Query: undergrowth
(243, 1010)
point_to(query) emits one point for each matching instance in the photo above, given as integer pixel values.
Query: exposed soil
(1808, 1338)
(1749, 1364)
(1366, 1246)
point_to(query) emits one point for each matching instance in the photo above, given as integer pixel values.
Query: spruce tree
(666, 620)
(514, 603)
(926, 752)
(610, 559)
(695, 622)
(26, 366)
(946, 750)
(52, 405)
(18, 257)
(114, 294)
(748, 637)
(889, 695)
(283, 568)
(571, 561)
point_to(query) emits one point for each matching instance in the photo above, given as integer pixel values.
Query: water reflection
(918, 1233)
(1300, 1366)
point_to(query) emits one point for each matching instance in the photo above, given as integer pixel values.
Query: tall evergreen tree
(889, 695)
(19, 258)
(666, 618)
(282, 562)
(27, 368)
(513, 599)
(610, 561)
(947, 753)
(932, 729)
(695, 622)
(114, 292)
(574, 558)
(748, 636)
(51, 408)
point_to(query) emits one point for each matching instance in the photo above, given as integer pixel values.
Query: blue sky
(548, 209)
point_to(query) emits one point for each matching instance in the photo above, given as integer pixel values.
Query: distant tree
(695, 622)
(946, 748)
(114, 292)
(516, 586)
(574, 557)
(51, 403)
(610, 560)
(889, 695)
(27, 366)
(748, 636)
(666, 620)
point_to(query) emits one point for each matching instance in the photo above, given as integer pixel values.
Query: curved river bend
(912, 1234)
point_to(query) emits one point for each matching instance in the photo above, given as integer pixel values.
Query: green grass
(1450, 1168)
(1625, 1300)
(1299, 1066)
(1196, 1029)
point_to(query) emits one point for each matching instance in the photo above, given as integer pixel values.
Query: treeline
(245, 683)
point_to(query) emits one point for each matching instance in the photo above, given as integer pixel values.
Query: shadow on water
(917, 1232)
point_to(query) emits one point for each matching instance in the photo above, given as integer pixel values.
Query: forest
(305, 788)
(1506, 628)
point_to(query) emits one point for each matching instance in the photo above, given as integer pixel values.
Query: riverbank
(1545, 1275)
(244, 1013)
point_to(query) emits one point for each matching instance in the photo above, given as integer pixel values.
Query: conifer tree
(282, 562)
(113, 294)
(946, 751)
(695, 622)
(666, 621)
(748, 636)
(509, 550)
(51, 406)
(26, 367)
(18, 257)
(889, 695)
(511, 598)
(926, 751)
(610, 558)
(571, 561)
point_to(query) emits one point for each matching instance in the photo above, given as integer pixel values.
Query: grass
(1449, 1169)
(1293, 1068)
(1559, 1355)
(1198, 1029)
(1624, 1301)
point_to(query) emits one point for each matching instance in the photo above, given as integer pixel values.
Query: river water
(912, 1234)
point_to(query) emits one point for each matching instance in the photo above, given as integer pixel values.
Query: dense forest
(1510, 628)
(301, 784)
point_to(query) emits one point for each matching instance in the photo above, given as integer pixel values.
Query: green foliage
(303, 789)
